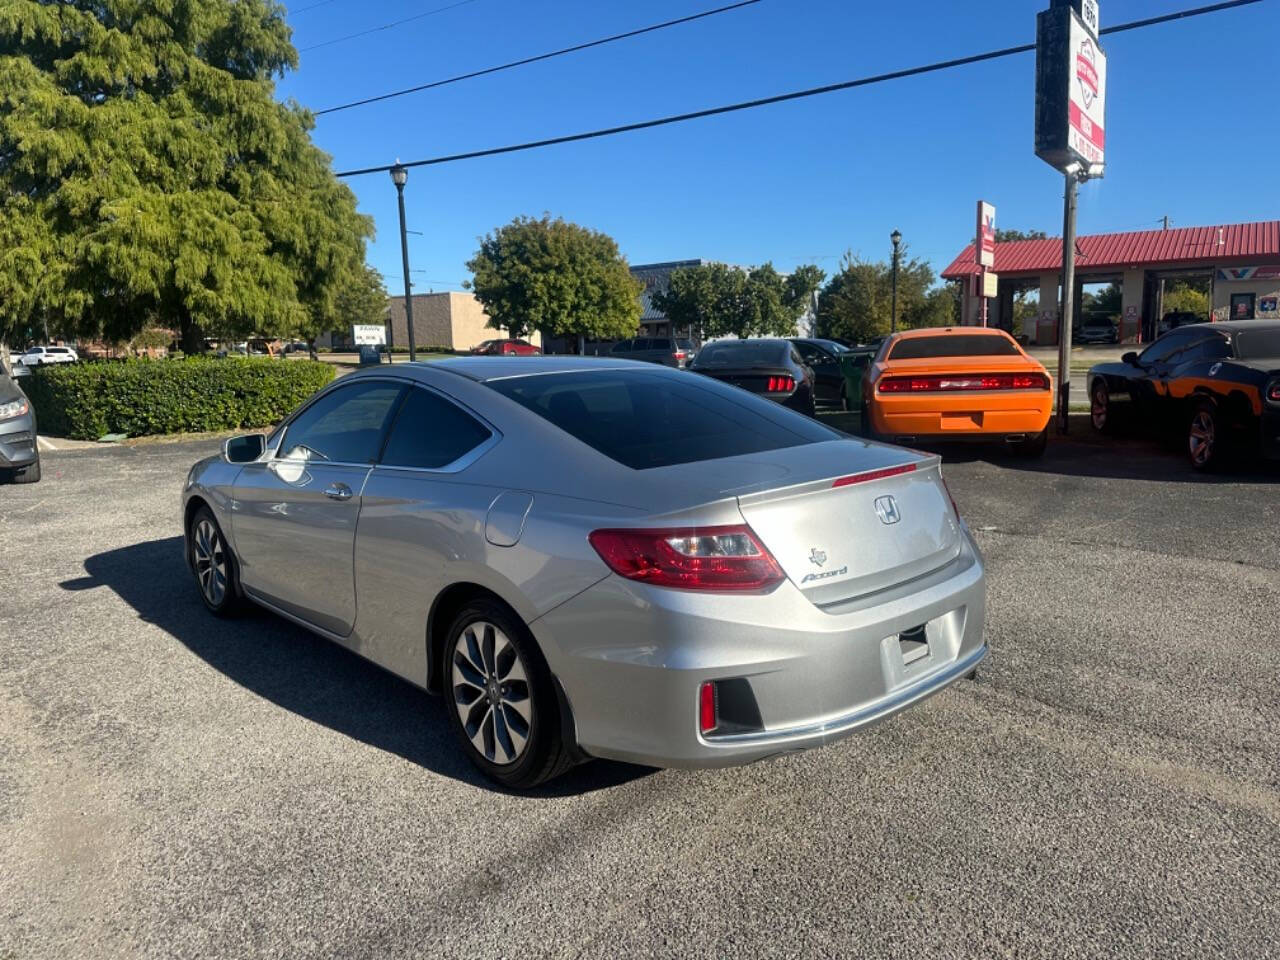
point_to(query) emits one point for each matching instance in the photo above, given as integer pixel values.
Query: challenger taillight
(1273, 391)
(781, 384)
(947, 384)
(690, 558)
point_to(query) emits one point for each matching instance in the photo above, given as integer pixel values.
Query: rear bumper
(631, 660)
(975, 416)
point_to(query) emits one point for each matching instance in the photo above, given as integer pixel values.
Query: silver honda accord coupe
(598, 558)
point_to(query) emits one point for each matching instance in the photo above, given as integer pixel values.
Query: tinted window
(953, 345)
(1258, 344)
(644, 420)
(684, 344)
(431, 432)
(744, 353)
(1164, 347)
(622, 346)
(344, 426)
(1210, 348)
(660, 343)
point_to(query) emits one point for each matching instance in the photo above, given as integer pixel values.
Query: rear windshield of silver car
(645, 420)
(953, 345)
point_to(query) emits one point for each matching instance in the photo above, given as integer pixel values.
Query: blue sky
(1190, 125)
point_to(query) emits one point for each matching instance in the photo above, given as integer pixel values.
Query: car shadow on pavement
(307, 674)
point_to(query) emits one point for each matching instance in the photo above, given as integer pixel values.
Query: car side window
(345, 426)
(1212, 347)
(431, 432)
(1164, 348)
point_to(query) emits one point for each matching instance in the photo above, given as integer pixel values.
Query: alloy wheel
(211, 562)
(1098, 408)
(1201, 438)
(491, 693)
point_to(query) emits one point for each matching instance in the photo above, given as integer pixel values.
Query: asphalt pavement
(172, 785)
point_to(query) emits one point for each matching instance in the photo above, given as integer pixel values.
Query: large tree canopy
(857, 301)
(556, 277)
(147, 173)
(719, 300)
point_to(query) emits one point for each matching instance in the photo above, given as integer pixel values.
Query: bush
(137, 397)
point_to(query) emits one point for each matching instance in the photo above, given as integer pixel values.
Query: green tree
(148, 174)
(857, 302)
(362, 299)
(556, 277)
(1191, 296)
(720, 300)
(1009, 236)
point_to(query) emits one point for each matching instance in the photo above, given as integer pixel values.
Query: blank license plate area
(914, 644)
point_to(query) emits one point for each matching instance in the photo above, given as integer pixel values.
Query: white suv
(34, 356)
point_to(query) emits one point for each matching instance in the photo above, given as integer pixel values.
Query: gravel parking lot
(172, 785)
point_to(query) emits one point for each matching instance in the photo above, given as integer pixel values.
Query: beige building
(454, 321)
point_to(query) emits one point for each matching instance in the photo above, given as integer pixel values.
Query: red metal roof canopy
(1239, 241)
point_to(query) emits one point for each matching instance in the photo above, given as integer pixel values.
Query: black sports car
(771, 368)
(1213, 383)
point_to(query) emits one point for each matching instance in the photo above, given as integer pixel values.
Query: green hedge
(136, 397)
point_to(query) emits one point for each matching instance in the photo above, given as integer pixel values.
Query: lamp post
(896, 237)
(399, 175)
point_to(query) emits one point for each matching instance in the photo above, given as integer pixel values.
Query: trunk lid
(754, 379)
(886, 523)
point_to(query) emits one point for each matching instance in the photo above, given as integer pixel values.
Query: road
(172, 785)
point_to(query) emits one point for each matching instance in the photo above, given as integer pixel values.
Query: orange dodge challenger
(957, 383)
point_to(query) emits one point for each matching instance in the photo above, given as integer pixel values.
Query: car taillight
(781, 384)
(944, 384)
(707, 707)
(1273, 391)
(690, 558)
(678, 355)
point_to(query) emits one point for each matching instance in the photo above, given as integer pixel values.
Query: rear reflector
(690, 558)
(947, 384)
(707, 707)
(781, 384)
(875, 475)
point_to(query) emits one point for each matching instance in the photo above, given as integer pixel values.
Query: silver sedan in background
(598, 558)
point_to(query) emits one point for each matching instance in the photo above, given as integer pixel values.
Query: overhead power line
(385, 26)
(310, 6)
(535, 59)
(784, 97)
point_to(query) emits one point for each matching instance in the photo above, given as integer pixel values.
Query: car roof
(948, 332)
(485, 368)
(1239, 326)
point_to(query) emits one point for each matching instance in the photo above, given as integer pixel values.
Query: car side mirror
(1131, 358)
(244, 449)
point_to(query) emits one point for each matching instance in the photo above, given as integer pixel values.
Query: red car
(507, 348)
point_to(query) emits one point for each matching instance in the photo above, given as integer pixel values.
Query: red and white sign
(985, 243)
(1086, 133)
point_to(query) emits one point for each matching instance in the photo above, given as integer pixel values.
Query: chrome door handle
(337, 491)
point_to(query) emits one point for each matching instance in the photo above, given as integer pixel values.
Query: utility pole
(1068, 296)
(399, 175)
(1166, 221)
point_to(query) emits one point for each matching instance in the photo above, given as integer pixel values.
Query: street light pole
(399, 175)
(1068, 297)
(896, 237)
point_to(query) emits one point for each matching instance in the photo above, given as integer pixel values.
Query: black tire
(212, 561)
(492, 701)
(1033, 447)
(28, 474)
(1204, 436)
(1100, 407)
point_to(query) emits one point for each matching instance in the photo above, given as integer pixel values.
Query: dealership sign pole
(1071, 98)
(985, 252)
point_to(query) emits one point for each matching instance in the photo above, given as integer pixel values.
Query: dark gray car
(669, 351)
(19, 455)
